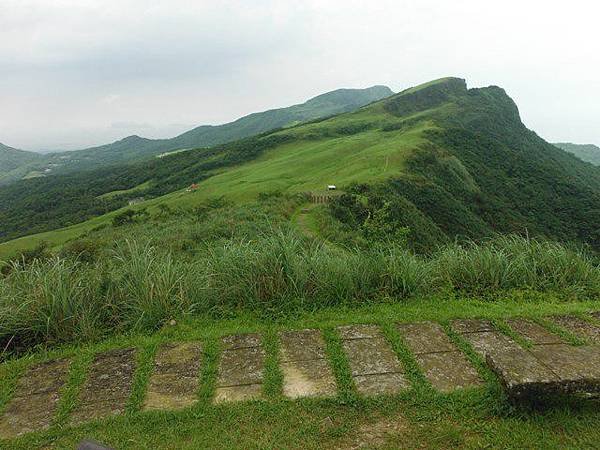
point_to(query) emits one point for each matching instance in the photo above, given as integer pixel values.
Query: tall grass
(139, 286)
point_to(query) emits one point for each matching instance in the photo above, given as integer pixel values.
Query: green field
(418, 418)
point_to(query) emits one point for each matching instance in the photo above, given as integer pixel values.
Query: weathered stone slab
(360, 332)
(521, 373)
(35, 400)
(371, 356)
(308, 379)
(426, 337)
(534, 332)
(448, 371)
(577, 368)
(175, 378)
(107, 387)
(237, 341)
(241, 366)
(443, 364)
(306, 370)
(464, 326)
(383, 383)
(302, 345)
(579, 327)
(240, 393)
(374, 365)
(491, 342)
(241, 369)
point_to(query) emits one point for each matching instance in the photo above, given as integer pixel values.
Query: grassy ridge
(457, 162)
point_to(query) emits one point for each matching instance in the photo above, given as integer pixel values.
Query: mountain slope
(135, 148)
(585, 152)
(11, 158)
(448, 161)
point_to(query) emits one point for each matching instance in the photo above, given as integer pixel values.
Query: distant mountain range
(586, 152)
(445, 161)
(11, 158)
(18, 164)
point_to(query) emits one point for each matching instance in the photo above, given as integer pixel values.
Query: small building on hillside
(192, 187)
(135, 201)
(331, 187)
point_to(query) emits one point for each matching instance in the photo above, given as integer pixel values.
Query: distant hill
(446, 161)
(11, 158)
(136, 148)
(585, 152)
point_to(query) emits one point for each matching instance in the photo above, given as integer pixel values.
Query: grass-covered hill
(136, 148)
(585, 152)
(443, 160)
(11, 158)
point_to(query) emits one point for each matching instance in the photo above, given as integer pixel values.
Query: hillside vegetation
(11, 158)
(223, 260)
(442, 160)
(136, 148)
(585, 152)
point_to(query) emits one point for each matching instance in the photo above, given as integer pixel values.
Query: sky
(78, 73)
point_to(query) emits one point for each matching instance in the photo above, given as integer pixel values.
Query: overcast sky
(76, 73)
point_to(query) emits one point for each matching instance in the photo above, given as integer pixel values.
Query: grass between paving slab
(472, 418)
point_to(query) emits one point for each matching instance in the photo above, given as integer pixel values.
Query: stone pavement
(547, 364)
(374, 365)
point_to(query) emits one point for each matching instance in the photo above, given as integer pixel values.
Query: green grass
(474, 418)
(137, 188)
(304, 165)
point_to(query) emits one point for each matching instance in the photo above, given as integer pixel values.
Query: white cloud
(71, 68)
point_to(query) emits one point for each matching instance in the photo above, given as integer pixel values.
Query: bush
(139, 287)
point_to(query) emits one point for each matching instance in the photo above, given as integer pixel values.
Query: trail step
(579, 327)
(35, 400)
(519, 371)
(443, 364)
(175, 378)
(549, 367)
(374, 365)
(534, 332)
(107, 387)
(241, 369)
(306, 370)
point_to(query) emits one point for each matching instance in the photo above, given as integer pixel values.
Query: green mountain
(445, 161)
(135, 148)
(11, 158)
(585, 152)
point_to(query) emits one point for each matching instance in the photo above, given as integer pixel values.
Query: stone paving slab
(374, 365)
(521, 373)
(302, 345)
(107, 387)
(240, 393)
(443, 364)
(577, 368)
(383, 383)
(534, 332)
(359, 332)
(579, 327)
(463, 326)
(448, 371)
(308, 379)
(426, 337)
(237, 341)
(371, 356)
(241, 369)
(35, 400)
(174, 381)
(306, 370)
